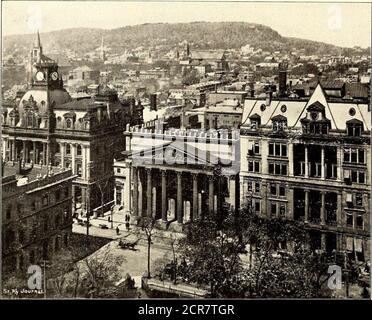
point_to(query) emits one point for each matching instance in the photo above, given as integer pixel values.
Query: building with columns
(177, 176)
(47, 127)
(310, 161)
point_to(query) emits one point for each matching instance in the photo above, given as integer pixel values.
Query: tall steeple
(38, 42)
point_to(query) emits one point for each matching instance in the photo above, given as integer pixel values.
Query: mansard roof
(339, 112)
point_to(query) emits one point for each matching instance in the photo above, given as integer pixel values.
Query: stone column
(179, 198)
(306, 205)
(211, 194)
(322, 208)
(339, 164)
(306, 163)
(63, 150)
(83, 164)
(322, 163)
(290, 159)
(48, 156)
(149, 193)
(24, 150)
(164, 195)
(135, 191)
(73, 157)
(232, 192)
(194, 215)
(34, 156)
(44, 153)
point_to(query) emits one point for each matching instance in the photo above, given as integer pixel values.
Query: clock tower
(43, 70)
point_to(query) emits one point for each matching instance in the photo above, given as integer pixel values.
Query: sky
(343, 24)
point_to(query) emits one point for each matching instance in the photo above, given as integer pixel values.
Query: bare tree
(147, 225)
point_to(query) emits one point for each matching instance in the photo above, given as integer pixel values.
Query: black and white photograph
(185, 150)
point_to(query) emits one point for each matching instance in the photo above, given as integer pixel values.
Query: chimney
(153, 102)
(282, 79)
(269, 95)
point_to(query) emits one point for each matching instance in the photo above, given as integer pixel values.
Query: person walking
(117, 231)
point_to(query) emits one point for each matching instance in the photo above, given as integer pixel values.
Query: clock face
(54, 75)
(40, 76)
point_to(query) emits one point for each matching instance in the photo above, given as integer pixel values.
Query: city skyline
(334, 25)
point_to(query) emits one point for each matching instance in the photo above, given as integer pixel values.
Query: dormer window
(354, 128)
(315, 121)
(279, 123)
(255, 121)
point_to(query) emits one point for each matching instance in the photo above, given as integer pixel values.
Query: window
(273, 189)
(249, 183)
(358, 176)
(354, 155)
(359, 200)
(256, 148)
(253, 166)
(68, 149)
(359, 221)
(282, 210)
(79, 169)
(257, 207)
(273, 209)
(118, 170)
(257, 186)
(45, 200)
(78, 150)
(349, 219)
(277, 149)
(354, 129)
(282, 191)
(278, 168)
(68, 124)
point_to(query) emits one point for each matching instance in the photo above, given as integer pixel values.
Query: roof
(339, 112)
(357, 90)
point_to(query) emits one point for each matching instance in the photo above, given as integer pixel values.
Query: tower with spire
(35, 55)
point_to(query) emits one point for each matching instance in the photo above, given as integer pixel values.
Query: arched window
(68, 124)
(78, 150)
(68, 149)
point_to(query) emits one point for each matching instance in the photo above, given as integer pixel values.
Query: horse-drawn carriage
(125, 244)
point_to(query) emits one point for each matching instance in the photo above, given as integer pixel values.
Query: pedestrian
(109, 219)
(127, 226)
(117, 231)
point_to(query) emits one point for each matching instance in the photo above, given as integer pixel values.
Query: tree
(210, 256)
(190, 77)
(147, 225)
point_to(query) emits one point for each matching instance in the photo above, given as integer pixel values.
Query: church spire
(38, 42)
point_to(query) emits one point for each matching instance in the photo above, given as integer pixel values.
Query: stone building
(36, 214)
(177, 176)
(310, 161)
(47, 127)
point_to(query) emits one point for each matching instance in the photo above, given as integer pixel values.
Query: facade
(175, 176)
(310, 161)
(47, 127)
(36, 214)
(223, 115)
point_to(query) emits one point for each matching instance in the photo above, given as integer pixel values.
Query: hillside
(204, 35)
